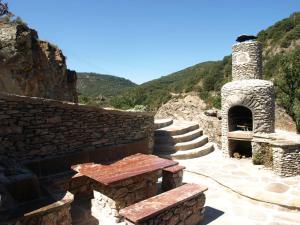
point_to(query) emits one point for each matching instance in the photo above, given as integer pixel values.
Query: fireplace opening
(240, 149)
(240, 118)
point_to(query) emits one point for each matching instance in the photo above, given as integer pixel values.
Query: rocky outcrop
(191, 108)
(32, 67)
(283, 121)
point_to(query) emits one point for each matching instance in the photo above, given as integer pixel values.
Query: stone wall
(184, 213)
(61, 216)
(247, 61)
(280, 151)
(36, 129)
(286, 159)
(256, 95)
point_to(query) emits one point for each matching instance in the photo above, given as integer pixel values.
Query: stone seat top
(124, 169)
(153, 206)
(174, 169)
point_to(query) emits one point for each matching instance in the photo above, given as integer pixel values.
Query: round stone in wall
(241, 58)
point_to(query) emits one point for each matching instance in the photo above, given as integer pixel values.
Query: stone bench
(172, 177)
(122, 183)
(182, 205)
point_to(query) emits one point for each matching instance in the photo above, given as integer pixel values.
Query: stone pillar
(247, 60)
(172, 177)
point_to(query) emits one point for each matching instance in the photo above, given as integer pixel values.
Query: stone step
(198, 142)
(160, 123)
(178, 138)
(176, 129)
(188, 154)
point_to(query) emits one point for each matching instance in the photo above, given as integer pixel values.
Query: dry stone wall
(61, 216)
(34, 128)
(286, 159)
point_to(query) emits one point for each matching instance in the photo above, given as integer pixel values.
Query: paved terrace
(241, 193)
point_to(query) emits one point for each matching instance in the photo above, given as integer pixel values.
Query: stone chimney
(247, 60)
(248, 102)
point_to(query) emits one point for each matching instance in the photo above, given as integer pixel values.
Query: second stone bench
(182, 205)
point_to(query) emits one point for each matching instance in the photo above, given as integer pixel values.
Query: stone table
(122, 183)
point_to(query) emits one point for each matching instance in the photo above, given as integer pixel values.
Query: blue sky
(144, 39)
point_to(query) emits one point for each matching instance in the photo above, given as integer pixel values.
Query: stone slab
(124, 169)
(174, 169)
(240, 135)
(152, 206)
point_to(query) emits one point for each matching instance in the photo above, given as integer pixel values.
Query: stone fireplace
(248, 102)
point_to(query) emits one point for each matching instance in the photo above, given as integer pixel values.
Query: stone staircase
(176, 139)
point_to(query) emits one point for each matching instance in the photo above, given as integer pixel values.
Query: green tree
(288, 85)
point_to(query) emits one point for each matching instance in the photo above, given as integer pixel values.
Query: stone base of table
(109, 200)
(172, 177)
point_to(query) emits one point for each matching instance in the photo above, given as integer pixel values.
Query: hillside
(281, 42)
(92, 86)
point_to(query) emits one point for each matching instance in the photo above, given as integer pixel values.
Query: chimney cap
(245, 37)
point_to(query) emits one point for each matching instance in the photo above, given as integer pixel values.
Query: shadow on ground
(210, 215)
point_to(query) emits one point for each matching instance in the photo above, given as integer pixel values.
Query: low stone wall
(109, 200)
(184, 213)
(61, 216)
(35, 129)
(286, 159)
(53, 209)
(279, 151)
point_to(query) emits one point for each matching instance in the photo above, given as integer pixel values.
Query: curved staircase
(176, 139)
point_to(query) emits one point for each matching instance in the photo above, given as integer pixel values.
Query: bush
(264, 156)
(288, 84)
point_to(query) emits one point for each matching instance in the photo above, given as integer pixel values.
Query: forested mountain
(281, 57)
(94, 87)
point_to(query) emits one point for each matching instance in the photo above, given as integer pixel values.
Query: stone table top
(124, 169)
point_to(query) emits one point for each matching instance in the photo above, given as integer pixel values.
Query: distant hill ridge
(94, 85)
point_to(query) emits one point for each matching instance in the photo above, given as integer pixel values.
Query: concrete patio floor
(241, 193)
